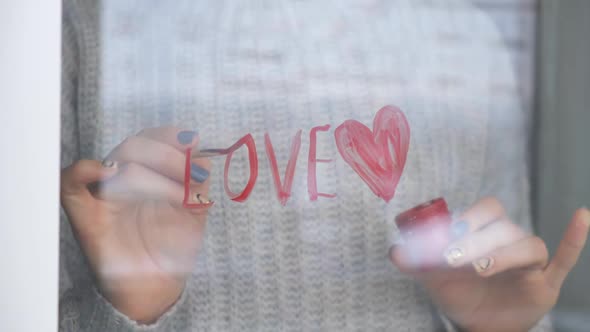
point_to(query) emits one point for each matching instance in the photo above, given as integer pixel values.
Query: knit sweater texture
(228, 68)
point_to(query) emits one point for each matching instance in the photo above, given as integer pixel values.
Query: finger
(530, 252)
(402, 259)
(569, 249)
(482, 213)
(483, 241)
(401, 256)
(138, 183)
(160, 157)
(178, 138)
(76, 177)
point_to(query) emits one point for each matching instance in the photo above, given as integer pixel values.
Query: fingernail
(459, 228)
(453, 255)
(198, 173)
(202, 199)
(186, 136)
(109, 163)
(483, 264)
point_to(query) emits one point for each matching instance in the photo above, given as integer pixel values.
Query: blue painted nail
(459, 228)
(186, 136)
(198, 173)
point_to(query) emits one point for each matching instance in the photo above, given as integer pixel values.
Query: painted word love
(378, 156)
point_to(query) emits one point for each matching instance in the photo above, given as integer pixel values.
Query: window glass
(240, 166)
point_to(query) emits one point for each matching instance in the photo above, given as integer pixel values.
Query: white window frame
(30, 57)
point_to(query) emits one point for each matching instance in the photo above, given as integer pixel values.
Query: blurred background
(562, 156)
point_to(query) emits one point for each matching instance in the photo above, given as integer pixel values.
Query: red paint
(425, 229)
(187, 183)
(283, 190)
(248, 140)
(312, 184)
(377, 156)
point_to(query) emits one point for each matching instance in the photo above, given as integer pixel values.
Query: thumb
(569, 249)
(76, 177)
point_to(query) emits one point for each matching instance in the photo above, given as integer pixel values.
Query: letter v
(283, 190)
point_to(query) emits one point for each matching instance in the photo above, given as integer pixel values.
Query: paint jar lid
(435, 210)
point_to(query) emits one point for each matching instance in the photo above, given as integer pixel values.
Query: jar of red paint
(425, 230)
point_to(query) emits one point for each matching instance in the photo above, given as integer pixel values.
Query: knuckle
(68, 172)
(169, 155)
(495, 204)
(76, 169)
(489, 200)
(514, 228)
(573, 246)
(132, 168)
(565, 264)
(72, 176)
(128, 147)
(540, 247)
(76, 166)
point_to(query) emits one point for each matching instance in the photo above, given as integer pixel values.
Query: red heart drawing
(377, 156)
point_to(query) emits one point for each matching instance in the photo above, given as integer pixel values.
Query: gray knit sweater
(228, 68)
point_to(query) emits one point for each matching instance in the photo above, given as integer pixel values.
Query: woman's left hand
(497, 277)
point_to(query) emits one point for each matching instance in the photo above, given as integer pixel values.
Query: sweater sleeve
(81, 306)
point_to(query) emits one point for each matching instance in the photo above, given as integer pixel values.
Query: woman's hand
(496, 277)
(128, 216)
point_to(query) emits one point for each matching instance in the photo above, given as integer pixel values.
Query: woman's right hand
(128, 217)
